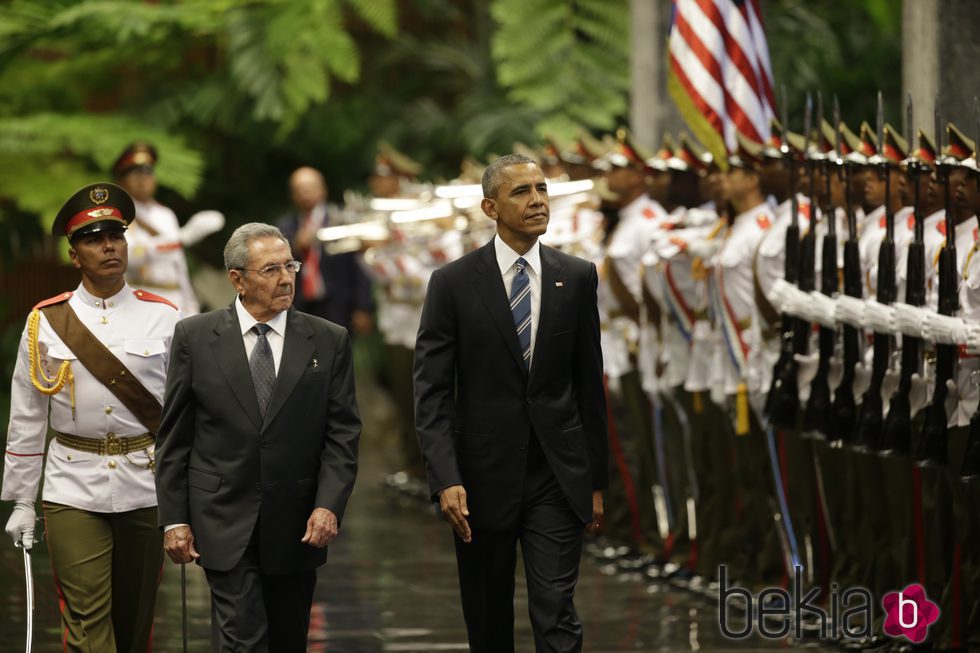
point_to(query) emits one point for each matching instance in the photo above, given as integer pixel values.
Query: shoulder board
(57, 299)
(150, 297)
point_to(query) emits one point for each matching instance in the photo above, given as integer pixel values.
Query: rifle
(844, 408)
(971, 460)
(897, 434)
(932, 442)
(818, 408)
(783, 401)
(870, 416)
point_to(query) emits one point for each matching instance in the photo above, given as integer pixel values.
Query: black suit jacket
(476, 405)
(347, 284)
(221, 466)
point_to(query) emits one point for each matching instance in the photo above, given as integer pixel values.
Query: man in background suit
(332, 286)
(511, 415)
(257, 450)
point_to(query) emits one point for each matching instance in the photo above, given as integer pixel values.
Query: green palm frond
(69, 151)
(568, 60)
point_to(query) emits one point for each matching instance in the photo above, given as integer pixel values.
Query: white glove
(880, 318)
(201, 225)
(704, 248)
(20, 526)
(917, 394)
(952, 398)
(889, 385)
(835, 374)
(848, 310)
(796, 302)
(821, 309)
(806, 370)
(973, 339)
(944, 329)
(909, 319)
(862, 381)
(778, 291)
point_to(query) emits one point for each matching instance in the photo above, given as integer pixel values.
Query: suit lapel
(296, 353)
(551, 296)
(495, 297)
(229, 352)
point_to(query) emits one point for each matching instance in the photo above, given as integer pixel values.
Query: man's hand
(321, 528)
(597, 511)
(20, 526)
(452, 502)
(178, 542)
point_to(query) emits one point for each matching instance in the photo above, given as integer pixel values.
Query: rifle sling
(104, 366)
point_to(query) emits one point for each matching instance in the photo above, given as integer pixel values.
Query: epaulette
(57, 299)
(150, 297)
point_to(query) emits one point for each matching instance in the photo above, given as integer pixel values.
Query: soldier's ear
(489, 208)
(73, 255)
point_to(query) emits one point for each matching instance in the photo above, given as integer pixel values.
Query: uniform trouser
(107, 567)
(632, 469)
(400, 360)
(954, 545)
(803, 480)
(678, 480)
(759, 549)
(717, 506)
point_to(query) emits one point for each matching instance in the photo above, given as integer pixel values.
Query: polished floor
(390, 585)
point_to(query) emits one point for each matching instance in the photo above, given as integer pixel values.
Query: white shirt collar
(246, 321)
(92, 300)
(507, 257)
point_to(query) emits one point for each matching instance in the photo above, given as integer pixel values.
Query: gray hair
(492, 175)
(236, 250)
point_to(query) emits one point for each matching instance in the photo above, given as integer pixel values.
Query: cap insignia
(99, 195)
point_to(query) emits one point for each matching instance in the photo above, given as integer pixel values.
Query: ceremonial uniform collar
(89, 299)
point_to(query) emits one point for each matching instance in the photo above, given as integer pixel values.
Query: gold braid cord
(51, 386)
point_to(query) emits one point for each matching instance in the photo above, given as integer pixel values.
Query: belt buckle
(113, 447)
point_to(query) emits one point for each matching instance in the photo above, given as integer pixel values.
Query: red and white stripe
(719, 55)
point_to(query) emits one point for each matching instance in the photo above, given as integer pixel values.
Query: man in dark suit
(511, 415)
(257, 450)
(332, 286)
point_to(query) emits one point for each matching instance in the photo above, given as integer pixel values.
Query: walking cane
(183, 605)
(29, 594)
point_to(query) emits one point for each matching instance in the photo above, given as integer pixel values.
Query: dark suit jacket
(221, 467)
(476, 405)
(348, 285)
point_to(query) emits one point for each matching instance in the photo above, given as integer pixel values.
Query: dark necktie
(520, 307)
(263, 367)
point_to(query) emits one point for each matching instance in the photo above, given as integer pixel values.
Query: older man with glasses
(257, 451)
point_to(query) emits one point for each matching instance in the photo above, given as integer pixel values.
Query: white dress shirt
(507, 262)
(276, 335)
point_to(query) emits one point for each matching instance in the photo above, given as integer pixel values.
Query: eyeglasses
(274, 270)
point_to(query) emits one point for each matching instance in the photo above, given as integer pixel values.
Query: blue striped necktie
(520, 308)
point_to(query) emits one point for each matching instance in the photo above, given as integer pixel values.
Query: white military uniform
(638, 222)
(138, 333)
(733, 295)
(156, 256)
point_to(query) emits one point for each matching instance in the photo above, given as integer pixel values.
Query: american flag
(720, 75)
